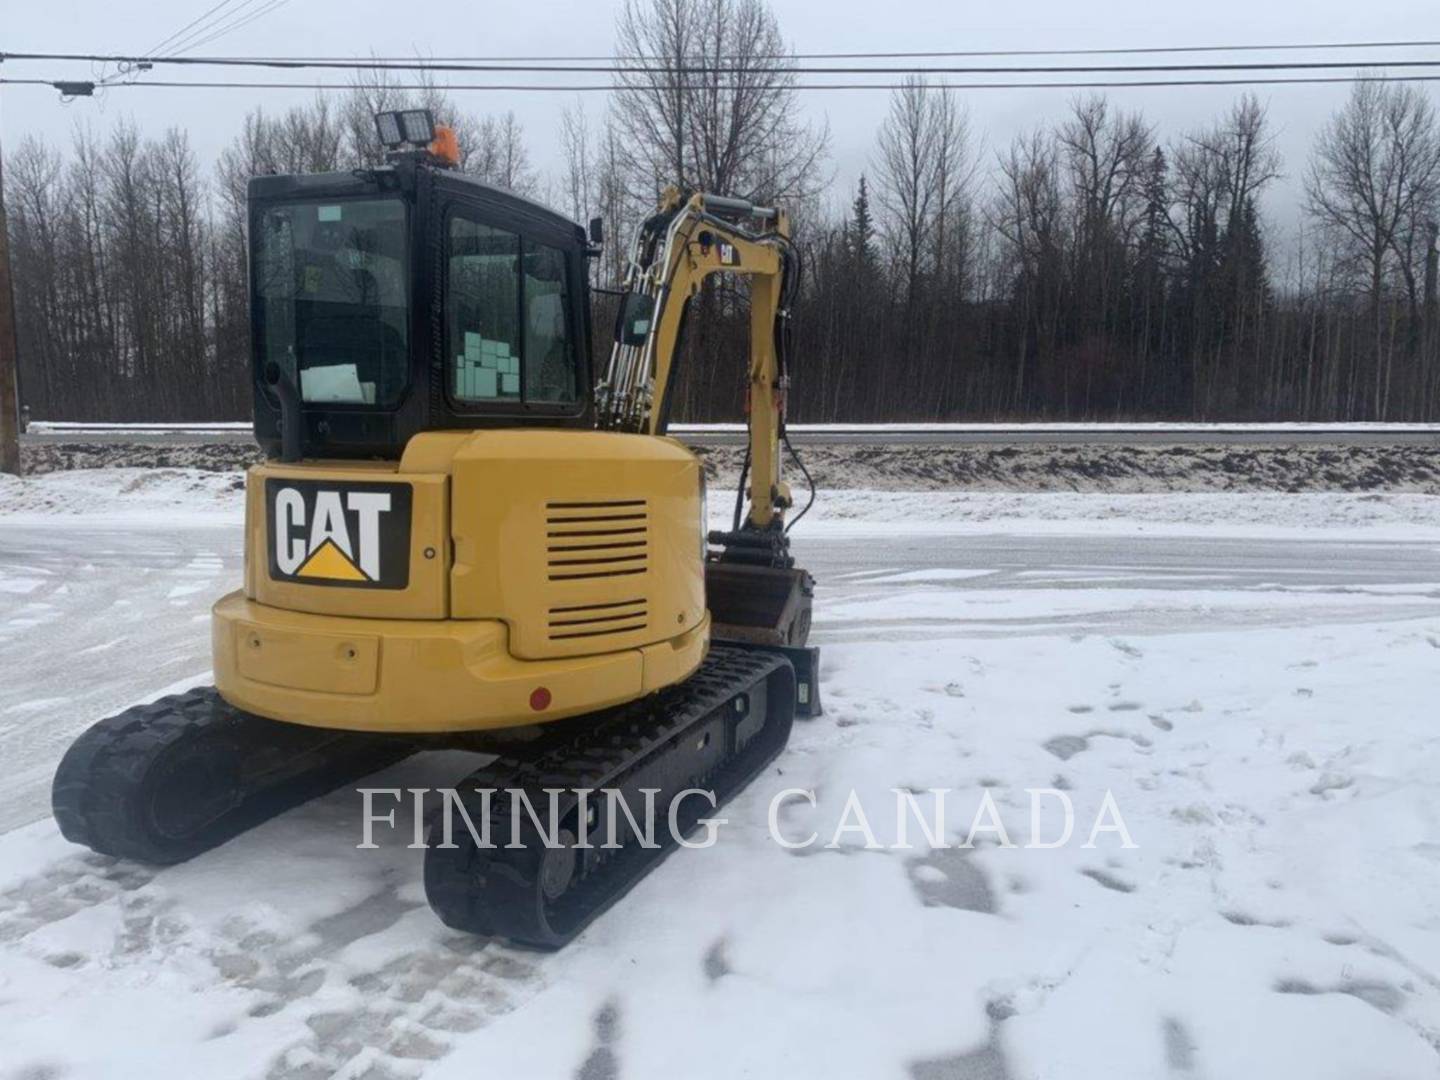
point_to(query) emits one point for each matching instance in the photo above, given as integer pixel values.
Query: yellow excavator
(462, 536)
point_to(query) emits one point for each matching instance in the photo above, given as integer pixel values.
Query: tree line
(1095, 268)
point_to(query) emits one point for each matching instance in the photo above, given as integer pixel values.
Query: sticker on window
(329, 213)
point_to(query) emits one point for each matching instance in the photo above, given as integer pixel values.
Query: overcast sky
(539, 27)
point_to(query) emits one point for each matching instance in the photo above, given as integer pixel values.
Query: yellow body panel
(419, 675)
(569, 561)
(426, 596)
(580, 542)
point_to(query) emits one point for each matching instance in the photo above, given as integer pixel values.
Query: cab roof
(370, 180)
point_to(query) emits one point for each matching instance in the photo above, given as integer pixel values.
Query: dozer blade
(713, 732)
(759, 604)
(805, 659)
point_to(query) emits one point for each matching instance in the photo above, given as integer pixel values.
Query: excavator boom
(753, 589)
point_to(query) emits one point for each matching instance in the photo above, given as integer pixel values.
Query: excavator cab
(461, 537)
(409, 298)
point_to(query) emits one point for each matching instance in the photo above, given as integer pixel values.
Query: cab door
(513, 335)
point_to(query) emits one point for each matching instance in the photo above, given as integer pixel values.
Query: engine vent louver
(587, 541)
(597, 620)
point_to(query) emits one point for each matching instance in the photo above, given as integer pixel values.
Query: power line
(203, 32)
(188, 36)
(1116, 51)
(712, 69)
(77, 88)
(163, 43)
(236, 24)
(1122, 51)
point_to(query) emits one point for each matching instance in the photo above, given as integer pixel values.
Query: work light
(418, 126)
(414, 127)
(387, 126)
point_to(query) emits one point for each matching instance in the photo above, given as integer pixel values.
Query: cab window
(508, 318)
(332, 299)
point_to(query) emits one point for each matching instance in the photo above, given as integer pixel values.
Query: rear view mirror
(597, 231)
(637, 311)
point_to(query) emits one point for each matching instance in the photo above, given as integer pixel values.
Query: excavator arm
(754, 591)
(686, 241)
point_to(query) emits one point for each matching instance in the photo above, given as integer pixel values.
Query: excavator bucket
(760, 604)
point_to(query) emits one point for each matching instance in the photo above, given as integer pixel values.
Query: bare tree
(592, 183)
(577, 186)
(1374, 177)
(1028, 208)
(921, 164)
(182, 232)
(36, 216)
(1219, 170)
(1220, 173)
(1105, 157)
(955, 168)
(614, 202)
(706, 98)
(500, 156)
(1028, 213)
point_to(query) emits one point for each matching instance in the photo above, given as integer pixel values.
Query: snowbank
(190, 496)
(118, 496)
(1136, 468)
(916, 467)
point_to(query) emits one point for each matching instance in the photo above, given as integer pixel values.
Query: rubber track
(102, 793)
(496, 891)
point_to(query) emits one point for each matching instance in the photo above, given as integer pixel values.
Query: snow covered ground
(1249, 675)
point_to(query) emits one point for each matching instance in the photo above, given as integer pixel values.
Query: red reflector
(540, 699)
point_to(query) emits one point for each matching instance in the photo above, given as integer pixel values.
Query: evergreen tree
(1243, 256)
(1155, 239)
(862, 226)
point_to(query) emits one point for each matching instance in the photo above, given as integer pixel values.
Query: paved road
(967, 435)
(92, 620)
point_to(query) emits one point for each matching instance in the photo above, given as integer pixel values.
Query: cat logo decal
(346, 534)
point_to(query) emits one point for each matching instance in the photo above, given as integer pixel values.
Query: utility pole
(9, 351)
